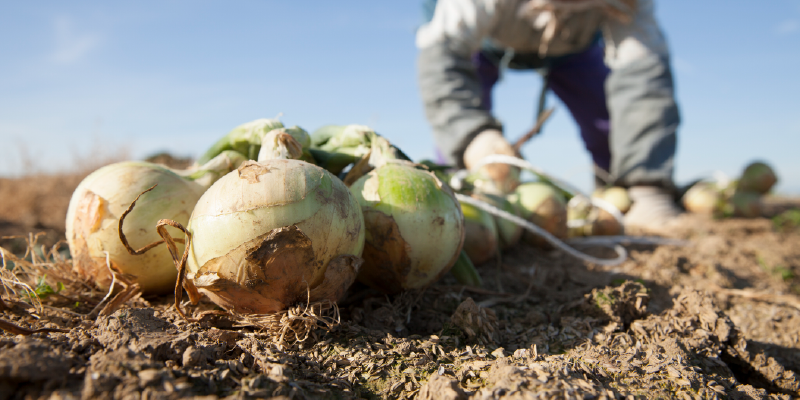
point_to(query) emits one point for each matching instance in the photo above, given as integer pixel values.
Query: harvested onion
(744, 205)
(415, 228)
(101, 198)
(617, 196)
(543, 205)
(757, 177)
(703, 198)
(481, 239)
(274, 233)
(508, 232)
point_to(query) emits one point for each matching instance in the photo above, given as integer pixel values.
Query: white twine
(622, 253)
(520, 163)
(613, 242)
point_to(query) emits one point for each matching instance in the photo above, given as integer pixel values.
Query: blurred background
(81, 82)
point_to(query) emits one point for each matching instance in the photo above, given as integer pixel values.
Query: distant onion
(415, 228)
(745, 205)
(703, 198)
(481, 239)
(543, 205)
(604, 224)
(508, 232)
(758, 177)
(617, 196)
(585, 219)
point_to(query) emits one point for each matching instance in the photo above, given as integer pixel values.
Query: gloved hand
(503, 178)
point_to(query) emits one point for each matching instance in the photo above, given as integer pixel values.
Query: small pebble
(192, 357)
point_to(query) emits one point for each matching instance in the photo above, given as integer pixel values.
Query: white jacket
(639, 90)
(462, 25)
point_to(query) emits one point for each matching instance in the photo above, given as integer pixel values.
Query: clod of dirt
(514, 382)
(619, 304)
(475, 321)
(33, 360)
(140, 330)
(193, 357)
(116, 374)
(697, 325)
(762, 370)
(441, 388)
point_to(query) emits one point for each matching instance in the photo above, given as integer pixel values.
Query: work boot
(503, 178)
(653, 208)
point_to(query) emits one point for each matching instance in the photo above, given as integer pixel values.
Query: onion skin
(481, 237)
(271, 234)
(93, 218)
(415, 228)
(543, 205)
(757, 177)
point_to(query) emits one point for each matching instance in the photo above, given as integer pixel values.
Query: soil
(716, 318)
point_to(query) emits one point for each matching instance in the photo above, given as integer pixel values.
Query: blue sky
(80, 79)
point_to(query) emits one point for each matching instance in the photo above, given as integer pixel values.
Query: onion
(745, 205)
(604, 224)
(102, 197)
(301, 146)
(274, 233)
(757, 177)
(508, 232)
(543, 205)
(280, 144)
(587, 220)
(703, 198)
(481, 234)
(615, 195)
(415, 228)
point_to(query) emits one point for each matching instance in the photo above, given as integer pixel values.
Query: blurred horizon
(86, 80)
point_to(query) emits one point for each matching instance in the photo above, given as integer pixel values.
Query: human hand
(503, 178)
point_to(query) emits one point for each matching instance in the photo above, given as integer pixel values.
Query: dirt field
(717, 318)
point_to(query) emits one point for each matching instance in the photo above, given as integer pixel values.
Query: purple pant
(578, 80)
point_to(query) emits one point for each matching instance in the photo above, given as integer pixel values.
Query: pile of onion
(740, 198)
